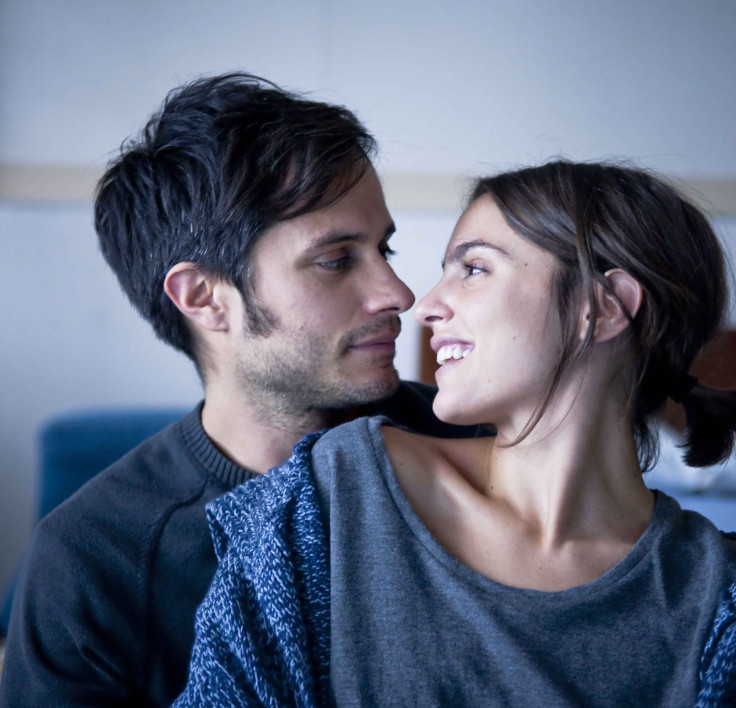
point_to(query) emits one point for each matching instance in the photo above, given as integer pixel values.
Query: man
(247, 225)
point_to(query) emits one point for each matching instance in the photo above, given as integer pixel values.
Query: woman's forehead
(484, 223)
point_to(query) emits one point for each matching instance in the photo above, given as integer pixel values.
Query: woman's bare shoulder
(408, 449)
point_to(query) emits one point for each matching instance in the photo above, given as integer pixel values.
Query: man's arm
(71, 639)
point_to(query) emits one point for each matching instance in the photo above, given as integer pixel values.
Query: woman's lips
(453, 352)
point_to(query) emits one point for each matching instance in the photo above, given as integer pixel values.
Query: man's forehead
(359, 215)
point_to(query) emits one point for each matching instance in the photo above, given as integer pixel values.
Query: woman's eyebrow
(462, 248)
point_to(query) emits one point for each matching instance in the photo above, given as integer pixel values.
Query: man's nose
(387, 292)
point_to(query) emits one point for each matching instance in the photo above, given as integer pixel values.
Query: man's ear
(198, 295)
(610, 318)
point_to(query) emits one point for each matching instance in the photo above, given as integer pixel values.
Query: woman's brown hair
(595, 217)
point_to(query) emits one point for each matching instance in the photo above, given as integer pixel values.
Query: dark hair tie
(681, 386)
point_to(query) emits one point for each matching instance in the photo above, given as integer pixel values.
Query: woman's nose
(432, 307)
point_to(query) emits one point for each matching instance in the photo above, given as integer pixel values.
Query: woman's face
(494, 322)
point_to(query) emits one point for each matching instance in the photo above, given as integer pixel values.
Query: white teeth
(452, 351)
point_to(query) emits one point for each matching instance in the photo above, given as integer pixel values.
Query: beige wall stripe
(76, 183)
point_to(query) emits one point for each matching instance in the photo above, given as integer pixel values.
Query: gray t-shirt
(413, 626)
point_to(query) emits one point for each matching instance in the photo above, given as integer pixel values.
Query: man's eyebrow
(461, 249)
(341, 235)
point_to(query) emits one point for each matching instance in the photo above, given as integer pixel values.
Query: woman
(526, 569)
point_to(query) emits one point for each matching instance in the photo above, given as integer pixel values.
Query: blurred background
(450, 89)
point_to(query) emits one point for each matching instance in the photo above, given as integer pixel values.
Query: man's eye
(334, 264)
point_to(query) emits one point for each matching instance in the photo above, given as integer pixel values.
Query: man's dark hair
(224, 159)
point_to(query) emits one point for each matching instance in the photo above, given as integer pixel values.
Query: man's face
(324, 283)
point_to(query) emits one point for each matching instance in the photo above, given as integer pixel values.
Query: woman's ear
(613, 314)
(199, 296)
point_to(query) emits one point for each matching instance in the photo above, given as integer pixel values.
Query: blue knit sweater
(262, 632)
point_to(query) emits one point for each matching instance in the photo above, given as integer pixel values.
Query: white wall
(445, 86)
(448, 88)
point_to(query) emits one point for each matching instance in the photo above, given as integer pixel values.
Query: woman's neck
(579, 477)
(554, 511)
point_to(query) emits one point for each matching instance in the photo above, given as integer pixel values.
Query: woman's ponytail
(711, 421)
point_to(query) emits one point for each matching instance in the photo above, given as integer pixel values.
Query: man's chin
(367, 392)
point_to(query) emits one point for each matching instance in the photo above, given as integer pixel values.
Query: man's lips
(378, 338)
(379, 343)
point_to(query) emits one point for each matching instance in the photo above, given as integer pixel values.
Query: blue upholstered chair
(75, 446)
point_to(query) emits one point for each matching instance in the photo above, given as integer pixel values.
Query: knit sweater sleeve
(262, 631)
(718, 666)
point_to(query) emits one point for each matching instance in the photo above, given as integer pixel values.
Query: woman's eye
(473, 269)
(387, 252)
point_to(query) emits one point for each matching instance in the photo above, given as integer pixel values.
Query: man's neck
(260, 437)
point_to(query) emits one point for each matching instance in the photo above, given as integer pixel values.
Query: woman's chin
(455, 414)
